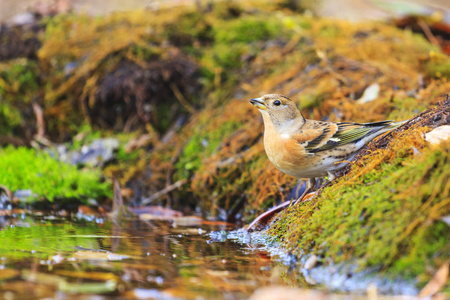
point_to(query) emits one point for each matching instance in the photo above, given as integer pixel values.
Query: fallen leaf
(8, 273)
(155, 211)
(92, 255)
(86, 210)
(437, 282)
(370, 93)
(100, 276)
(87, 287)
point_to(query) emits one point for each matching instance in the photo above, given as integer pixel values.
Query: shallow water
(59, 258)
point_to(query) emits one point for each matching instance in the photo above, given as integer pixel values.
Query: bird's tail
(397, 124)
(387, 124)
(379, 128)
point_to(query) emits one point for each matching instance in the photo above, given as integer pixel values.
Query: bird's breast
(289, 156)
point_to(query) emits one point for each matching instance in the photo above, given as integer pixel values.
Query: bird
(311, 149)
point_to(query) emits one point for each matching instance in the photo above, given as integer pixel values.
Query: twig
(39, 120)
(164, 191)
(171, 171)
(426, 30)
(181, 98)
(118, 208)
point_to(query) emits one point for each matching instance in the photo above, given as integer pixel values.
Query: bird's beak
(259, 103)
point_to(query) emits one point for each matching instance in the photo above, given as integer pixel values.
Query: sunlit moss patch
(46, 177)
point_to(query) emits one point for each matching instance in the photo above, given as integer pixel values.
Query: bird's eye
(277, 102)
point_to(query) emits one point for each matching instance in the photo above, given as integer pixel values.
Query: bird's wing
(338, 134)
(315, 134)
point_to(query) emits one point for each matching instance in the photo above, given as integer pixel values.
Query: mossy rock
(385, 213)
(47, 178)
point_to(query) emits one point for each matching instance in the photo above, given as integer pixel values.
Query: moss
(385, 213)
(19, 86)
(19, 77)
(47, 177)
(438, 69)
(404, 107)
(228, 57)
(86, 135)
(10, 118)
(190, 27)
(227, 10)
(202, 144)
(432, 242)
(247, 30)
(238, 37)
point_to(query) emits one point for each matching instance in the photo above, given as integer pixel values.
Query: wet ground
(52, 257)
(88, 257)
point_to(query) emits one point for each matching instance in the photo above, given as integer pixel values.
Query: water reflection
(56, 257)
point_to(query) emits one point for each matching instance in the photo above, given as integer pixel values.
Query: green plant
(23, 168)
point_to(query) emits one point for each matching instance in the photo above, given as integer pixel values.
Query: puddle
(342, 278)
(43, 257)
(61, 258)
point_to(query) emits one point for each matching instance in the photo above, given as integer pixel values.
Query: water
(87, 257)
(64, 258)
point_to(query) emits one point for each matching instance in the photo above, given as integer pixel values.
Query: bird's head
(280, 109)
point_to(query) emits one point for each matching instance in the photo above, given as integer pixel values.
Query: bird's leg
(296, 191)
(309, 186)
(319, 181)
(331, 176)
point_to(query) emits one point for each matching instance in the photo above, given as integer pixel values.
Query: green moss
(145, 53)
(19, 80)
(233, 38)
(330, 31)
(225, 56)
(201, 145)
(404, 108)
(388, 218)
(227, 10)
(47, 177)
(86, 135)
(311, 100)
(190, 27)
(10, 118)
(247, 30)
(428, 243)
(18, 87)
(164, 113)
(438, 69)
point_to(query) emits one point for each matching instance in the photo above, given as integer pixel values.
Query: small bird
(307, 148)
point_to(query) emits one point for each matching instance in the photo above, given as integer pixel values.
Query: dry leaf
(370, 93)
(92, 255)
(437, 282)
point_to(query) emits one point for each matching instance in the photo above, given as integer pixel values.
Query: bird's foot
(264, 217)
(305, 198)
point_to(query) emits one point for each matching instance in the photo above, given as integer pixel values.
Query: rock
(438, 135)
(95, 154)
(311, 262)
